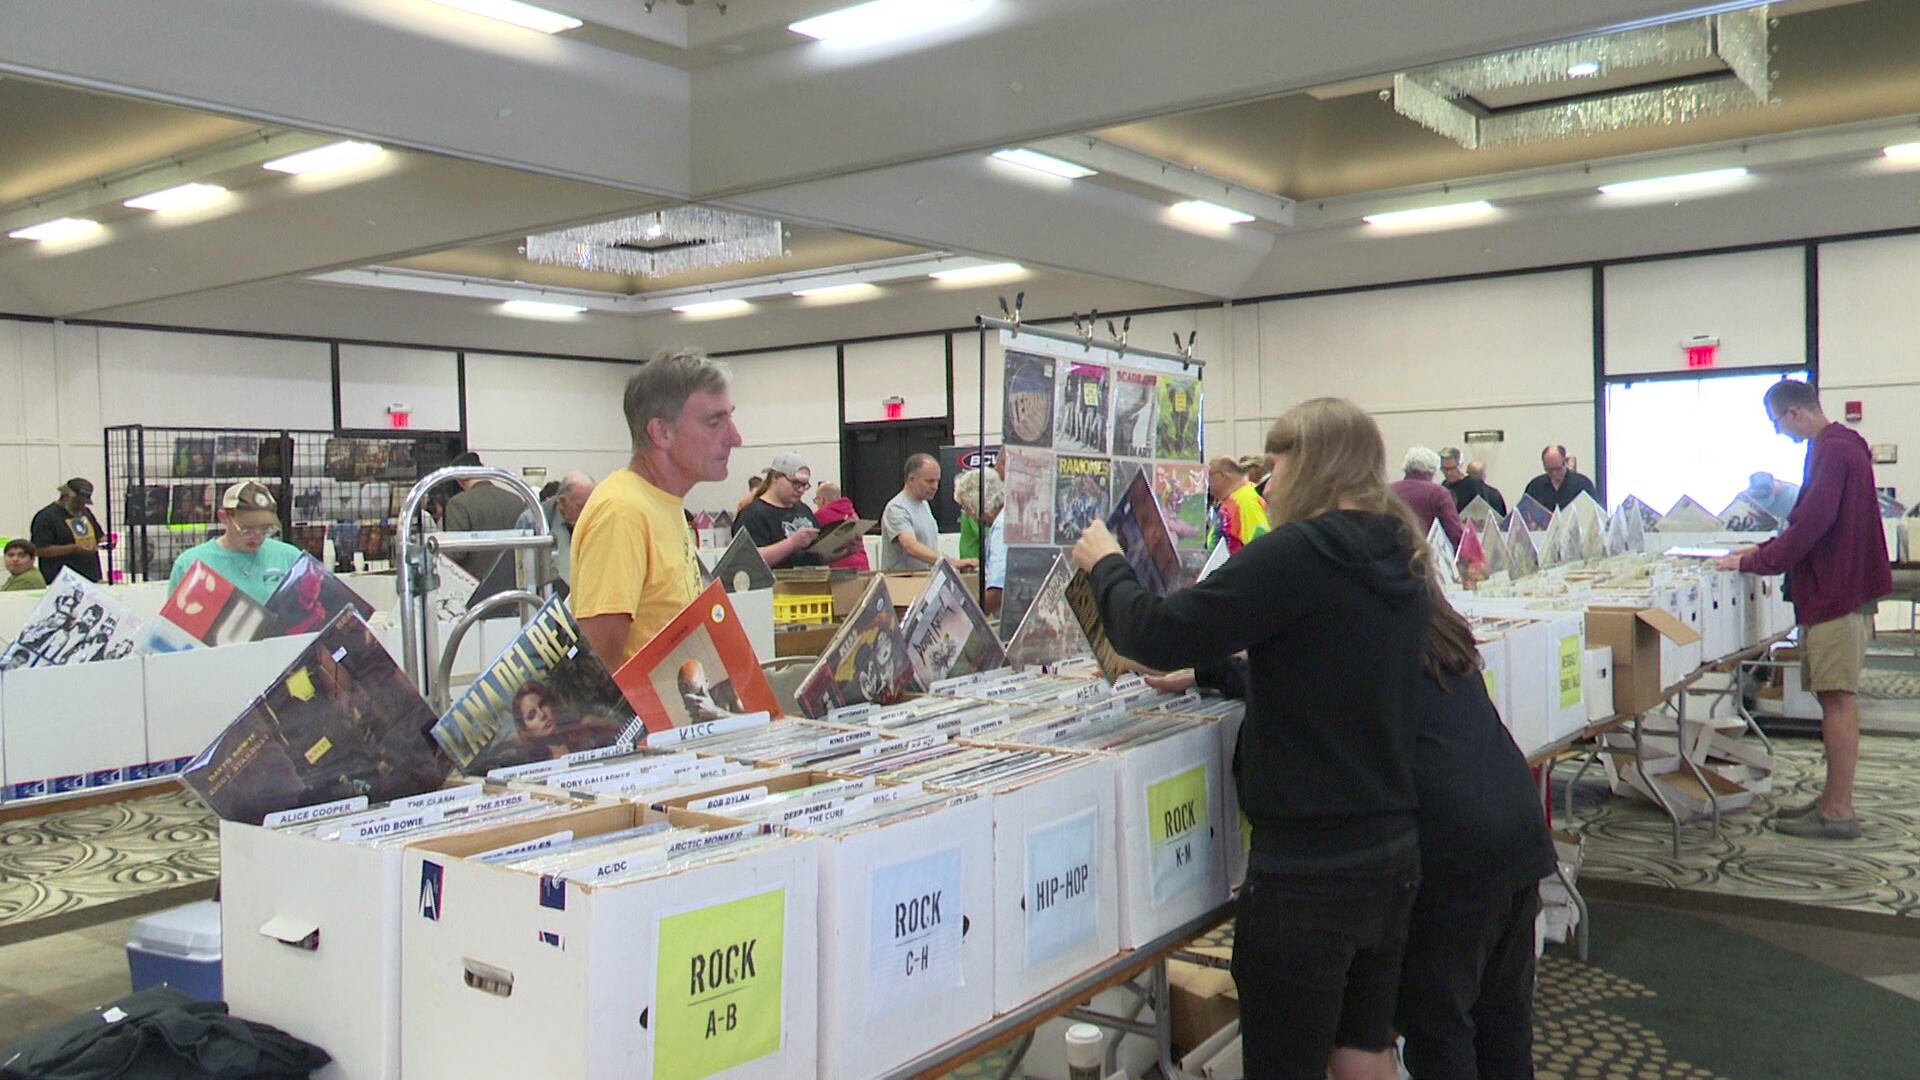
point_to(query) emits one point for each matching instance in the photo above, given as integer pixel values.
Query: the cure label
(1062, 886)
(718, 986)
(1179, 833)
(914, 928)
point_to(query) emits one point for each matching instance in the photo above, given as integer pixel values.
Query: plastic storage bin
(179, 947)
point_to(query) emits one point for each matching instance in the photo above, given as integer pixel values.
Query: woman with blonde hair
(1332, 609)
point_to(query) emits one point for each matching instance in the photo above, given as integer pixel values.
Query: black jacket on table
(1334, 627)
(1481, 822)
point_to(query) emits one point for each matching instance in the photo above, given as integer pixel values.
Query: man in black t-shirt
(1559, 483)
(779, 521)
(66, 534)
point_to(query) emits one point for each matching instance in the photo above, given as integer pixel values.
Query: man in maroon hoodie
(831, 506)
(1834, 553)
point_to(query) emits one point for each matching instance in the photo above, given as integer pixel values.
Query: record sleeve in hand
(1140, 528)
(213, 609)
(946, 631)
(309, 599)
(741, 567)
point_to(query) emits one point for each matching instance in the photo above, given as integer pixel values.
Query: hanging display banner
(1179, 840)
(717, 988)
(913, 940)
(1062, 887)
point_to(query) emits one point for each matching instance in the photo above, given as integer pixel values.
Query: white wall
(782, 401)
(560, 415)
(374, 377)
(1870, 347)
(1753, 301)
(911, 368)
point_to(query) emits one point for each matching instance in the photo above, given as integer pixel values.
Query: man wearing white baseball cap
(246, 553)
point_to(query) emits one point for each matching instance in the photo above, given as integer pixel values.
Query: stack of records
(649, 777)
(76, 621)
(974, 768)
(644, 851)
(938, 717)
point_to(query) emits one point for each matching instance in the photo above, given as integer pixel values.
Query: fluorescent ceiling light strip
(1431, 215)
(540, 309)
(65, 228)
(858, 290)
(1674, 185)
(1046, 163)
(878, 20)
(968, 274)
(1903, 150)
(180, 197)
(1211, 213)
(713, 307)
(325, 158)
(519, 14)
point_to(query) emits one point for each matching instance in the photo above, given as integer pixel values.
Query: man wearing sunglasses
(246, 552)
(779, 520)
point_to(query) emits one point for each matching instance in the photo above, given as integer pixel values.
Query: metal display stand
(417, 579)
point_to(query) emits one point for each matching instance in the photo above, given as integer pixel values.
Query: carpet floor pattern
(77, 866)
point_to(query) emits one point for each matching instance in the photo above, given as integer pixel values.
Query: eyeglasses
(261, 533)
(799, 485)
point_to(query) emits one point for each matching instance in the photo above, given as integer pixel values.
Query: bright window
(1701, 437)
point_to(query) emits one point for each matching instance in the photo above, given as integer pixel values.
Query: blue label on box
(430, 883)
(106, 777)
(553, 892)
(27, 789)
(60, 785)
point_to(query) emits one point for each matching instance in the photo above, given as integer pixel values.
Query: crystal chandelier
(661, 243)
(1442, 97)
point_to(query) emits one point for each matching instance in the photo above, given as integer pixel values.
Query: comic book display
(308, 600)
(866, 660)
(76, 621)
(341, 721)
(699, 667)
(546, 695)
(1136, 522)
(947, 632)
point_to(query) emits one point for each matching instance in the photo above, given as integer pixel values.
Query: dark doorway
(873, 455)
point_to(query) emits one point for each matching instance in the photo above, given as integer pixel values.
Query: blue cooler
(179, 947)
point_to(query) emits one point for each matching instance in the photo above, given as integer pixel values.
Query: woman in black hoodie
(1332, 610)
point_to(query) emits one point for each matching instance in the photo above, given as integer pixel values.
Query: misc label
(689, 732)
(300, 814)
(718, 986)
(1179, 833)
(913, 931)
(1062, 886)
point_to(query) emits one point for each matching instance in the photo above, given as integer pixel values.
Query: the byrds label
(438, 798)
(315, 812)
(498, 802)
(373, 830)
(690, 732)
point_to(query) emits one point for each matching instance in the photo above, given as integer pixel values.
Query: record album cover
(866, 660)
(1181, 491)
(74, 622)
(310, 538)
(1049, 632)
(275, 452)
(1136, 406)
(544, 696)
(699, 667)
(341, 721)
(308, 600)
(741, 567)
(1026, 568)
(376, 542)
(1523, 560)
(1029, 399)
(193, 457)
(236, 455)
(148, 504)
(1082, 495)
(213, 610)
(1688, 516)
(947, 631)
(1029, 496)
(192, 504)
(1177, 427)
(1534, 515)
(1080, 407)
(1745, 515)
(339, 459)
(1480, 512)
(1086, 612)
(1136, 522)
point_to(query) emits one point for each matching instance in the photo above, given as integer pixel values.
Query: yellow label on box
(1492, 679)
(1179, 837)
(717, 989)
(1570, 671)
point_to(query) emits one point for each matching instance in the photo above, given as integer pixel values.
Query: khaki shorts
(1833, 652)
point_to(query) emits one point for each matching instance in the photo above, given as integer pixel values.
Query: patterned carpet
(72, 868)
(1630, 840)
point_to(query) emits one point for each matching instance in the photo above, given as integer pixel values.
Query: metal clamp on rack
(417, 579)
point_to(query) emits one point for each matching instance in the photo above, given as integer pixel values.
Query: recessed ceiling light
(858, 290)
(1676, 185)
(878, 20)
(541, 309)
(65, 228)
(1210, 213)
(519, 14)
(713, 308)
(326, 158)
(1432, 215)
(182, 197)
(1583, 69)
(1903, 150)
(1052, 166)
(974, 275)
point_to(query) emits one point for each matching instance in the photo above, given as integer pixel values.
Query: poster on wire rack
(1079, 423)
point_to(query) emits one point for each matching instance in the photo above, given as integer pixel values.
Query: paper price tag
(1062, 886)
(913, 931)
(1179, 836)
(718, 986)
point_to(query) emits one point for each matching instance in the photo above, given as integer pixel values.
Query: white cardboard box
(192, 696)
(1528, 650)
(1597, 678)
(1171, 835)
(706, 972)
(1493, 670)
(1566, 704)
(906, 936)
(1239, 833)
(66, 724)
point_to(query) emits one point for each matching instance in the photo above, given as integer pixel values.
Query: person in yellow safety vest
(1241, 515)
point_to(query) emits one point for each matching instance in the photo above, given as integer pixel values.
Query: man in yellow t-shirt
(634, 565)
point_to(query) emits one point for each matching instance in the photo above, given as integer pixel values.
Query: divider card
(1063, 885)
(1572, 674)
(1179, 832)
(914, 931)
(718, 986)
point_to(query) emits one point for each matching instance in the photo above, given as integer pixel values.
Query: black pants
(1466, 986)
(1316, 959)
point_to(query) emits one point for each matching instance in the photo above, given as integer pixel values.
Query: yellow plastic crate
(803, 608)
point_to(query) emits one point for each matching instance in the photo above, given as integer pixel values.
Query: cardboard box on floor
(707, 971)
(1637, 637)
(1203, 999)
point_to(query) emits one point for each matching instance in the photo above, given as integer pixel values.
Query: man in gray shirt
(481, 507)
(909, 537)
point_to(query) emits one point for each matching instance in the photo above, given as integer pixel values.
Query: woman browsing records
(1332, 610)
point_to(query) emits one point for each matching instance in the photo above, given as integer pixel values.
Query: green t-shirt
(21, 582)
(970, 537)
(256, 574)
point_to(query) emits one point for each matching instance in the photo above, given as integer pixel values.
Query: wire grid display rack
(337, 491)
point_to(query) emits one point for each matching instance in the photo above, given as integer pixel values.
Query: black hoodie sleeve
(1239, 605)
(1226, 676)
